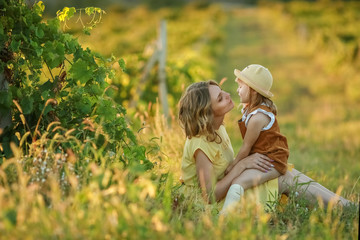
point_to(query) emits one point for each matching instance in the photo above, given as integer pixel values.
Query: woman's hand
(256, 161)
(228, 169)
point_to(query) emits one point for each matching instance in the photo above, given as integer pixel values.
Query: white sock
(233, 196)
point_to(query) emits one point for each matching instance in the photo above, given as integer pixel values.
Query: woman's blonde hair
(195, 112)
(256, 99)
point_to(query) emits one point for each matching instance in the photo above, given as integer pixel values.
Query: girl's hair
(195, 112)
(256, 99)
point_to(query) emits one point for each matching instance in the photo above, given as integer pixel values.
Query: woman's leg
(295, 179)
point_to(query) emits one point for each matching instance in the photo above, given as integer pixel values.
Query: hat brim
(243, 78)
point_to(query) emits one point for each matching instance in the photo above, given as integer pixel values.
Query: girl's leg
(252, 177)
(312, 190)
(248, 179)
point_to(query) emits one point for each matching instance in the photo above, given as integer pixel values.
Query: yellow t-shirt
(220, 155)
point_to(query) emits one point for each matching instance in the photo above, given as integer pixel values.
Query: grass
(113, 202)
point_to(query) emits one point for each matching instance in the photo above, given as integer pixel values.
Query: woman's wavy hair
(195, 112)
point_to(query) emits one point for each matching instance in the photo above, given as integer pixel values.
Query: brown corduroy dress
(270, 143)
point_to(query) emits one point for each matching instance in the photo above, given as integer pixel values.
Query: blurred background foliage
(193, 32)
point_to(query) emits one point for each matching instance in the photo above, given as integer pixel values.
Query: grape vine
(47, 77)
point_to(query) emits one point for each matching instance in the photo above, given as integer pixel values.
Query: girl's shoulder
(263, 109)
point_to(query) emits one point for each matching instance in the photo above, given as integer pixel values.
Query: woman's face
(243, 91)
(221, 102)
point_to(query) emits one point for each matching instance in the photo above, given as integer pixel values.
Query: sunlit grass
(115, 202)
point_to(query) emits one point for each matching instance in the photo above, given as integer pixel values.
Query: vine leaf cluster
(50, 77)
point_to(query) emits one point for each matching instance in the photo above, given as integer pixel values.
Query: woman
(208, 151)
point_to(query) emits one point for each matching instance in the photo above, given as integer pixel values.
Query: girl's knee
(240, 181)
(246, 182)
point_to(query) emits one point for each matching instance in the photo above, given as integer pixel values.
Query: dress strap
(269, 114)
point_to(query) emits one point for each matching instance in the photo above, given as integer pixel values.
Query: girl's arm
(256, 123)
(215, 191)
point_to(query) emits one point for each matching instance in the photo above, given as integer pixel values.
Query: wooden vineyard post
(5, 118)
(159, 56)
(162, 42)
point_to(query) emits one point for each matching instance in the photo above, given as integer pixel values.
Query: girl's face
(221, 102)
(243, 91)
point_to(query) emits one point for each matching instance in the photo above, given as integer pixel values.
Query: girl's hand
(257, 161)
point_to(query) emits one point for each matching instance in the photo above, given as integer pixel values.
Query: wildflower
(111, 154)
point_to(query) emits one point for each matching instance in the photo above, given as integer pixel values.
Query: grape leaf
(27, 105)
(122, 64)
(81, 71)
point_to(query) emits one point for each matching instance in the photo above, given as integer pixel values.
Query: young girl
(260, 131)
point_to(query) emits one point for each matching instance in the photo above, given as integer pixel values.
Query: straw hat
(257, 77)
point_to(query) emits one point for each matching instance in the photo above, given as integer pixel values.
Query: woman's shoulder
(222, 131)
(202, 140)
(222, 128)
(200, 143)
(193, 142)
